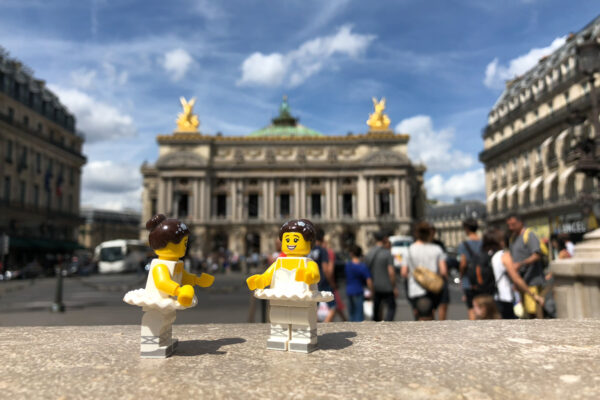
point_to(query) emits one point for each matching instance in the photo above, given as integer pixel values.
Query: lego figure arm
(261, 281)
(309, 274)
(204, 280)
(164, 283)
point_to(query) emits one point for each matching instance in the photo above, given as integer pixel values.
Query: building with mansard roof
(40, 167)
(529, 139)
(448, 219)
(235, 191)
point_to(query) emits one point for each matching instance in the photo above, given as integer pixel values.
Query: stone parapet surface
(537, 359)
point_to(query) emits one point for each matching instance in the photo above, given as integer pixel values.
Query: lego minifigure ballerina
(168, 288)
(292, 291)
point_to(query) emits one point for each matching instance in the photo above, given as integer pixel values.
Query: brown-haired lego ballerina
(168, 288)
(293, 290)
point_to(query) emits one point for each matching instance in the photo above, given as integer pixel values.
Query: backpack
(544, 256)
(480, 272)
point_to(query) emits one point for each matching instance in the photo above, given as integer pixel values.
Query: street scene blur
(448, 158)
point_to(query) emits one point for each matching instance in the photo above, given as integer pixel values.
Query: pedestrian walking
(423, 253)
(466, 252)
(320, 255)
(381, 264)
(444, 296)
(527, 257)
(358, 277)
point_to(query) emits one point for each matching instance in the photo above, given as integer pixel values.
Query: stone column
(577, 280)
(334, 200)
(169, 196)
(362, 205)
(195, 209)
(398, 199)
(405, 198)
(297, 197)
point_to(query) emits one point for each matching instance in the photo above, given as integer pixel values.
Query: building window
(23, 192)
(39, 127)
(384, 202)
(11, 113)
(23, 160)
(153, 206)
(71, 203)
(7, 188)
(253, 205)
(9, 151)
(36, 196)
(315, 204)
(38, 162)
(221, 205)
(72, 176)
(347, 204)
(284, 204)
(182, 204)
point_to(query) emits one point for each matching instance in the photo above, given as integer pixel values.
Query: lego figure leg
(304, 329)
(280, 328)
(156, 337)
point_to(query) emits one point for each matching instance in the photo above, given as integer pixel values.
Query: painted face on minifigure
(293, 244)
(173, 250)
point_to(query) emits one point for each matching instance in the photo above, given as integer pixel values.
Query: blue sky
(120, 67)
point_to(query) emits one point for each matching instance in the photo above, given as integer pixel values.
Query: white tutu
(141, 298)
(306, 296)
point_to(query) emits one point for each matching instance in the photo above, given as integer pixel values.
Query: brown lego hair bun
(155, 221)
(165, 230)
(301, 226)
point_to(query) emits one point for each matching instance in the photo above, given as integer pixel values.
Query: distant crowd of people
(502, 275)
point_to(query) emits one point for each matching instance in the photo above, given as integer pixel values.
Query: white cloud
(469, 184)
(83, 78)
(496, 74)
(111, 185)
(87, 78)
(97, 120)
(177, 62)
(433, 148)
(294, 67)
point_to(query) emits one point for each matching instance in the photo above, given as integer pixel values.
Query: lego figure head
(168, 237)
(297, 237)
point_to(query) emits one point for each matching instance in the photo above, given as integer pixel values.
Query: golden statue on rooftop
(187, 121)
(378, 121)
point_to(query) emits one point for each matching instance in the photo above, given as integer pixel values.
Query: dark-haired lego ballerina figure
(292, 291)
(169, 287)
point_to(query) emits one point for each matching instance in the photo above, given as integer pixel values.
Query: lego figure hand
(185, 295)
(304, 275)
(205, 280)
(256, 282)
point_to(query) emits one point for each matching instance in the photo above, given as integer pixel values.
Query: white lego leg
(156, 334)
(280, 328)
(304, 329)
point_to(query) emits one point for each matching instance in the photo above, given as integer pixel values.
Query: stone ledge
(552, 359)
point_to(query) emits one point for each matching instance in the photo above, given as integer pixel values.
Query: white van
(121, 255)
(399, 249)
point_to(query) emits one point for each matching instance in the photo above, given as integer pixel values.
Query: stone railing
(536, 359)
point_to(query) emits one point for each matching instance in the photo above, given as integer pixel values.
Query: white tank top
(284, 280)
(503, 282)
(171, 266)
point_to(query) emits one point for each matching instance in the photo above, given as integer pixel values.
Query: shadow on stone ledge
(191, 348)
(335, 340)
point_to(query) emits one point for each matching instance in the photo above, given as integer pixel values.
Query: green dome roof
(285, 125)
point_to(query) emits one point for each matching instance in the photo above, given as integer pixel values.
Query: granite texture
(555, 359)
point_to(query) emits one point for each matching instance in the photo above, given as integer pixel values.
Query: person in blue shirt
(357, 277)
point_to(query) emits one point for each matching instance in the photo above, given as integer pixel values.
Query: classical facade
(236, 191)
(40, 166)
(529, 139)
(448, 220)
(101, 225)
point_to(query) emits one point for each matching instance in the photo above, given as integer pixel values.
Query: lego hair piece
(165, 230)
(301, 226)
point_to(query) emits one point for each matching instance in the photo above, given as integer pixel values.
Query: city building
(40, 167)
(236, 191)
(448, 220)
(101, 225)
(529, 140)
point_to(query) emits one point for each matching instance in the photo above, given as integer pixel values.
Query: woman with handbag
(425, 269)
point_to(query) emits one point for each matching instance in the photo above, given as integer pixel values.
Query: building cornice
(557, 119)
